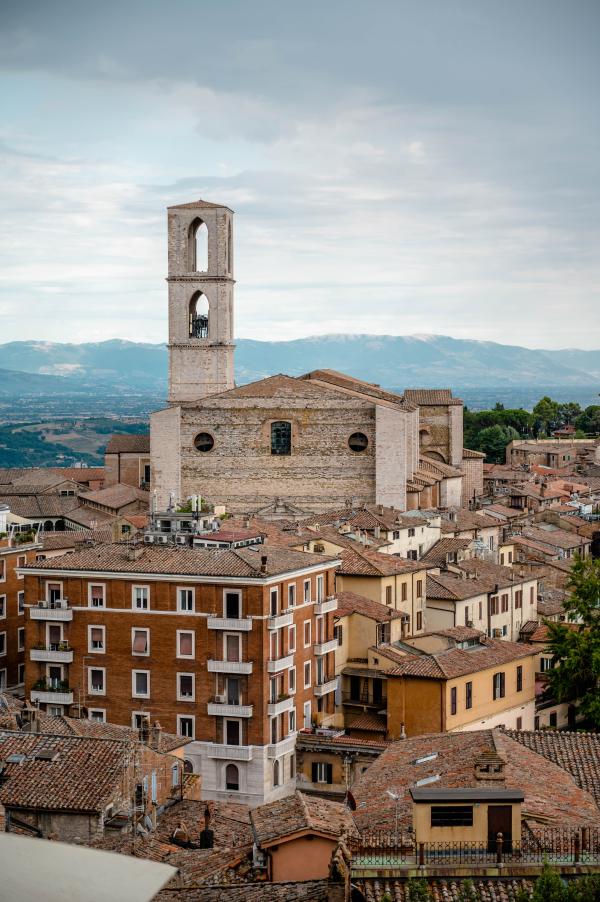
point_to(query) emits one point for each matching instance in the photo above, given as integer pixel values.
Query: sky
(424, 167)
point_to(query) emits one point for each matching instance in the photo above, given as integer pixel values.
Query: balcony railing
(566, 846)
(329, 604)
(53, 654)
(229, 666)
(279, 664)
(52, 610)
(325, 688)
(277, 621)
(280, 706)
(323, 648)
(52, 693)
(232, 752)
(284, 747)
(222, 708)
(229, 623)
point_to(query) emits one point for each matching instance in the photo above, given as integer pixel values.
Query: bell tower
(200, 301)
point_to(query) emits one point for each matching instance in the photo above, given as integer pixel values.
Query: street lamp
(396, 798)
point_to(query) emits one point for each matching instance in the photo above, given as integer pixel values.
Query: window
(273, 603)
(96, 595)
(491, 543)
(404, 592)
(307, 675)
(185, 600)
(20, 674)
(396, 534)
(185, 644)
(3, 678)
(419, 620)
(504, 604)
(519, 598)
(320, 588)
(96, 639)
(501, 559)
(451, 815)
(233, 732)
(233, 646)
(233, 605)
(498, 686)
(2, 570)
(383, 633)
(468, 695)
(358, 442)
(21, 638)
(281, 437)
(480, 610)
(292, 680)
(204, 442)
(338, 633)
(545, 664)
(97, 714)
(291, 595)
(453, 702)
(186, 726)
(21, 562)
(292, 766)
(292, 721)
(140, 683)
(519, 723)
(291, 639)
(553, 719)
(2, 606)
(519, 678)
(140, 641)
(141, 598)
(276, 773)
(96, 680)
(307, 633)
(388, 594)
(322, 772)
(2, 643)
(510, 557)
(419, 588)
(21, 602)
(531, 595)
(232, 778)
(306, 591)
(174, 776)
(185, 687)
(536, 722)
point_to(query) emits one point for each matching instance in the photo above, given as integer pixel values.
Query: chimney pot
(263, 563)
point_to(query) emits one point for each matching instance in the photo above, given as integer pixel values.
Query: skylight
(425, 758)
(426, 780)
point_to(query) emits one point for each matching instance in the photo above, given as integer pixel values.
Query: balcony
(242, 624)
(53, 654)
(229, 666)
(222, 708)
(281, 706)
(322, 689)
(285, 747)
(323, 648)
(280, 664)
(52, 694)
(278, 621)
(52, 610)
(231, 752)
(324, 607)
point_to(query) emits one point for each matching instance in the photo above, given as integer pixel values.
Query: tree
(568, 413)
(589, 420)
(576, 650)
(585, 889)
(467, 892)
(418, 891)
(493, 441)
(545, 416)
(549, 887)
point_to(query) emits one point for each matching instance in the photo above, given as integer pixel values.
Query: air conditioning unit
(181, 540)
(221, 699)
(148, 539)
(162, 539)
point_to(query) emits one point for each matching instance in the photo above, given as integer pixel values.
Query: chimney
(247, 522)
(263, 563)
(134, 552)
(156, 735)
(380, 509)
(144, 730)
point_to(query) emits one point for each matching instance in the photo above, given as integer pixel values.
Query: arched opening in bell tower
(198, 246)
(199, 312)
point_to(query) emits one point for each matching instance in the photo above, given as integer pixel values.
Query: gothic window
(198, 246)
(276, 778)
(281, 437)
(199, 316)
(204, 442)
(358, 442)
(232, 777)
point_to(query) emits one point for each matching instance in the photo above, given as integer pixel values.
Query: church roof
(278, 386)
(199, 204)
(351, 384)
(431, 397)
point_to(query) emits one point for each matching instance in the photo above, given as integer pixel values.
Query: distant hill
(393, 361)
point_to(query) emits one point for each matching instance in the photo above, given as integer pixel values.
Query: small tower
(200, 301)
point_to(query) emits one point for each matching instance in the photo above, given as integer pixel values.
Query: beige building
(315, 441)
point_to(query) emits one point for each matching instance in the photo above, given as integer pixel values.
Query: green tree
(549, 887)
(467, 892)
(576, 650)
(493, 441)
(418, 891)
(568, 413)
(545, 416)
(589, 420)
(585, 889)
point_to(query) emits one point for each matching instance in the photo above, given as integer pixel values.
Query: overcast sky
(395, 167)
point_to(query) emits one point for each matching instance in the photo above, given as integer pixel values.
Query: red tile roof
(299, 813)
(351, 603)
(128, 444)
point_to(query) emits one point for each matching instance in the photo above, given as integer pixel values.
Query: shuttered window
(97, 638)
(140, 642)
(186, 645)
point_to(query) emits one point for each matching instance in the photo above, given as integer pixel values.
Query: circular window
(358, 442)
(204, 442)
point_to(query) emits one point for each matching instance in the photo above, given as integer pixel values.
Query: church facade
(313, 442)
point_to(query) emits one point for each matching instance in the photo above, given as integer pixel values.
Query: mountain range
(393, 361)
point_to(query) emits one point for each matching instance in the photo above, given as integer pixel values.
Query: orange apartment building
(12, 612)
(232, 648)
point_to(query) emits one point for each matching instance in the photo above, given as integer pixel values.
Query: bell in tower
(200, 301)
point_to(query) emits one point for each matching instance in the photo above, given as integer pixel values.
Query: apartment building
(12, 612)
(496, 600)
(231, 648)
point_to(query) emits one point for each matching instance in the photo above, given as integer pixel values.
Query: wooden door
(500, 821)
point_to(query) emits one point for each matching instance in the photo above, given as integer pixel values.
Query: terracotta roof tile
(298, 813)
(116, 496)
(128, 444)
(455, 662)
(351, 603)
